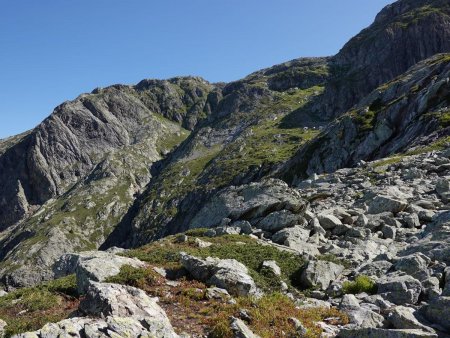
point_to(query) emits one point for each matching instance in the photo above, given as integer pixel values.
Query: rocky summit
(309, 199)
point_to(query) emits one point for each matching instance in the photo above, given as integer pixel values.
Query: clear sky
(54, 50)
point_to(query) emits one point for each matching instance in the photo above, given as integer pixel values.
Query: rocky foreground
(362, 252)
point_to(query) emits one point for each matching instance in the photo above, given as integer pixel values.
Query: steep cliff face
(409, 112)
(403, 34)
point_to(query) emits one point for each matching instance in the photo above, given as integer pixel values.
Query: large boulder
(110, 327)
(328, 222)
(401, 317)
(278, 220)
(297, 238)
(400, 289)
(438, 312)
(320, 274)
(271, 266)
(249, 202)
(94, 266)
(3, 325)
(359, 316)
(296, 233)
(241, 330)
(443, 187)
(105, 299)
(434, 242)
(383, 203)
(415, 265)
(375, 269)
(228, 274)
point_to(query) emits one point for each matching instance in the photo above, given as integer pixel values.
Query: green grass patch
(365, 119)
(388, 161)
(65, 285)
(438, 145)
(136, 277)
(29, 309)
(361, 284)
(264, 142)
(444, 118)
(242, 248)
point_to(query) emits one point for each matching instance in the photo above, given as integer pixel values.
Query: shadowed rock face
(403, 34)
(403, 114)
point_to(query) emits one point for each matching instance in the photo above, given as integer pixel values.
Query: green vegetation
(444, 119)
(365, 119)
(87, 213)
(269, 142)
(440, 144)
(170, 140)
(415, 16)
(136, 277)
(388, 161)
(182, 96)
(186, 301)
(361, 284)
(29, 309)
(442, 116)
(266, 142)
(179, 178)
(242, 248)
(268, 145)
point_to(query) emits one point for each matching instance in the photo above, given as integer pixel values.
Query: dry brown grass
(191, 311)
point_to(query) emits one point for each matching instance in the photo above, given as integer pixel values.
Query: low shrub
(361, 284)
(136, 277)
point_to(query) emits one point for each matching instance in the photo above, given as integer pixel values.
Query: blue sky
(54, 50)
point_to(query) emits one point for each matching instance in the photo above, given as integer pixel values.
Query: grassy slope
(29, 309)
(267, 141)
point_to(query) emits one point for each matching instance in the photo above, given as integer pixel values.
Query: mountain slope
(76, 174)
(409, 112)
(244, 140)
(402, 34)
(332, 85)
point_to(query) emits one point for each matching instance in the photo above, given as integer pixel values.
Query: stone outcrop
(320, 274)
(227, 274)
(94, 266)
